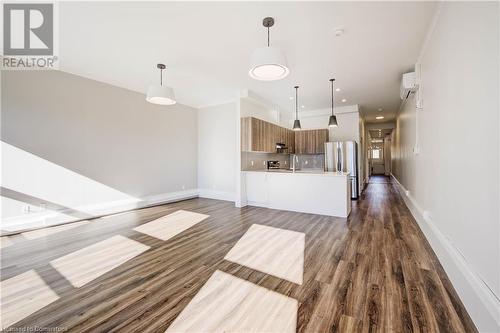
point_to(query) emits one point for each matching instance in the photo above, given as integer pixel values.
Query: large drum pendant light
(296, 123)
(268, 63)
(333, 119)
(161, 94)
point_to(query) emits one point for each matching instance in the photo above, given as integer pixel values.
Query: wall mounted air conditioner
(408, 85)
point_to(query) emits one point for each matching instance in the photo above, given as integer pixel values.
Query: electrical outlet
(419, 103)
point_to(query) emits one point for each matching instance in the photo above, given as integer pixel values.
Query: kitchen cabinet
(310, 141)
(261, 136)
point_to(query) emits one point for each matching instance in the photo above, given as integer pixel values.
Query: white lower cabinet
(257, 191)
(315, 193)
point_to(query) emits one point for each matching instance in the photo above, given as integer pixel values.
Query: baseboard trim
(218, 195)
(481, 304)
(54, 218)
(169, 197)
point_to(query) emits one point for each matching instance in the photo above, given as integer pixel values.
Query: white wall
(362, 153)
(217, 152)
(92, 133)
(252, 108)
(347, 117)
(453, 178)
(350, 127)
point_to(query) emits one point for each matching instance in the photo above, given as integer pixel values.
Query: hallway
(371, 272)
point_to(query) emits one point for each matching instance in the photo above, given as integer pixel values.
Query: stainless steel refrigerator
(343, 156)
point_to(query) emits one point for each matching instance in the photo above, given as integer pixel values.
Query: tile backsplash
(257, 161)
(310, 161)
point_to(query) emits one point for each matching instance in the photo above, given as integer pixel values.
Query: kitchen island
(315, 192)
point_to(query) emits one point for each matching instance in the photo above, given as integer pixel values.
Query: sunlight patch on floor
(229, 304)
(274, 251)
(91, 262)
(23, 295)
(171, 225)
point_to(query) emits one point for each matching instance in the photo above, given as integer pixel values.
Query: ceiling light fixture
(161, 94)
(379, 117)
(344, 100)
(296, 123)
(337, 89)
(333, 119)
(268, 63)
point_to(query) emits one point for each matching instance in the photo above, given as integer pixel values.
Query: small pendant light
(333, 118)
(161, 94)
(268, 63)
(296, 123)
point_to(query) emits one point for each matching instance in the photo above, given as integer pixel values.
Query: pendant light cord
(332, 94)
(267, 36)
(296, 102)
(161, 77)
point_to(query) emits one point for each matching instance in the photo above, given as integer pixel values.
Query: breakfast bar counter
(315, 192)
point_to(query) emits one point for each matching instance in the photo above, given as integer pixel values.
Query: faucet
(295, 160)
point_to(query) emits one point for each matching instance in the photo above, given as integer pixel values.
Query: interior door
(377, 161)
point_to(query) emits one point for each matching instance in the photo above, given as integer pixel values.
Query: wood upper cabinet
(262, 136)
(311, 141)
(321, 138)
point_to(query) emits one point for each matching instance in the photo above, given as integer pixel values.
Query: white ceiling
(206, 47)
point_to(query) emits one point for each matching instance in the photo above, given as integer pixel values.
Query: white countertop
(303, 172)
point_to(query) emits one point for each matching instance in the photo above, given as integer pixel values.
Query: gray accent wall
(108, 134)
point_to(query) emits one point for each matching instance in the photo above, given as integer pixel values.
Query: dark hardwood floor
(371, 272)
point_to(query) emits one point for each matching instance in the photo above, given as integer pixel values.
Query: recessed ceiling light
(380, 109)
(344, 100)
(302, 106)
(337, 89)
(291, 98)
(379, 117)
